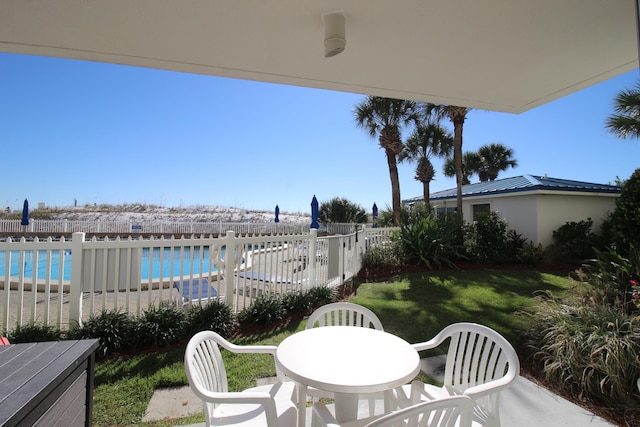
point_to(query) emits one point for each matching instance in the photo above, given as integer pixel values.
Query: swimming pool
(156, 264)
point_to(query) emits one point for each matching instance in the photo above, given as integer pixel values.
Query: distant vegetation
(150, 212)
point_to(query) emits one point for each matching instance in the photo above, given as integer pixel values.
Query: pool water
(150, 263)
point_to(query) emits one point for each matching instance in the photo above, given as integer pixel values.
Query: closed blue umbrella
(277, 214)
(25, 215)
(314, 213)
(374, 214)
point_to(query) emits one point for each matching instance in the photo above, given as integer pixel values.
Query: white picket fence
(59, 227)
(61, 282)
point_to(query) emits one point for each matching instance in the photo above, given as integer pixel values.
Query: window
(478, 209)
(442, 211)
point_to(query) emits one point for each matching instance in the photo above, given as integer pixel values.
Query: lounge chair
(195, 291)
(267, 278)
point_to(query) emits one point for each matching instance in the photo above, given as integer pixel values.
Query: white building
(534, 206)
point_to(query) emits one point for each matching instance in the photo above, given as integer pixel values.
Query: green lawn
(414, 307)
(418, 306)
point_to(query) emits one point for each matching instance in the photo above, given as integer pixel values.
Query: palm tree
(427, 140)
(470, 165)
(457, 115)
(494, 158)
(384, 117)
(626, 120)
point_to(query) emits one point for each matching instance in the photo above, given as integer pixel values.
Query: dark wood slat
(36, 377)
(68, 406)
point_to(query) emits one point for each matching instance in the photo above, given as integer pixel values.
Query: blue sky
(104, 133)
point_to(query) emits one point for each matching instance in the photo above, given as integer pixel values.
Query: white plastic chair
(344, 314)
(449, 412)
(480, 363)
(271, 405)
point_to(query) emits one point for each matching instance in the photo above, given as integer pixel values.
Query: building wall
(558, 209)
(535, 215)
(521, 212)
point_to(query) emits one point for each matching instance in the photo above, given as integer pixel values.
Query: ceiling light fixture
(334, 33)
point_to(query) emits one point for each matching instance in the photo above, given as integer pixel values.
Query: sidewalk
(524, 404)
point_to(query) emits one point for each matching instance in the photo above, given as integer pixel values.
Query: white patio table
(348, 361)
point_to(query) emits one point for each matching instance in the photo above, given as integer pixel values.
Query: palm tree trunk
(457, 160)
(395, 185)
(426, 193)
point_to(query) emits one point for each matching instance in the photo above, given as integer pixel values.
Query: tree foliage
(384, 118)
(470, 162)
(457, 115)
(494, 158)
(487, 163)
(626, 217)
(428, 140)
(340, 210)
(625, 122)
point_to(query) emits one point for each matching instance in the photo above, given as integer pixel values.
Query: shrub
(573, 242)
(514, 245)
(161, 326)
(530, 254)
(321, 295)
(486, 239)
(297, 303)
(114, 329)
(265, 311)
(384, 256)
(35, 332)
(429, 239)
(385, 218)
(625, 217)
(612, 276)
(590, 350)
(214, 316)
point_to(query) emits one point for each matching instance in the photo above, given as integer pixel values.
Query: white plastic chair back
(344, 314)
(269, 405)
(204, 365)
(448, 412)
(480, 363)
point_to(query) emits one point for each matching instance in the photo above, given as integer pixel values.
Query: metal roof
(519, 184)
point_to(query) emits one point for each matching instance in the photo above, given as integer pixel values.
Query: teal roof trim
(520, 184)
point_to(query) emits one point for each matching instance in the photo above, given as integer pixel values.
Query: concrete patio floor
(524, 404)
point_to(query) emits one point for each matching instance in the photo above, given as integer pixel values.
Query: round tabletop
(348, 359)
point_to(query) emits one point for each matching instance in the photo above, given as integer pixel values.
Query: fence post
(361, 249)
(229, 261)
(334, 256)
(313, 258)
(75, 287)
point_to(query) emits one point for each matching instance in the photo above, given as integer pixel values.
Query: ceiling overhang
(499, 55)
